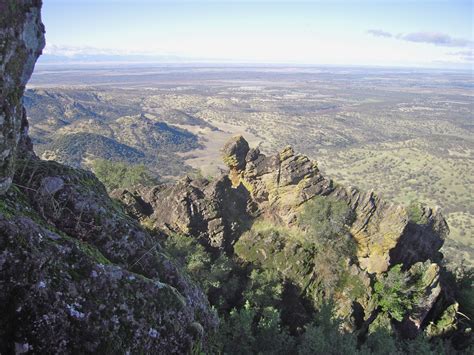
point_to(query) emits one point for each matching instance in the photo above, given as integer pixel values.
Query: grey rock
(73, 312)
(235, 152)
(21, 42)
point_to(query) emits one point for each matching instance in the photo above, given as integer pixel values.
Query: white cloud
(435, 38)
(380, 33)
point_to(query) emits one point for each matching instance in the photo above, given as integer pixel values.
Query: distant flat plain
(405, 133)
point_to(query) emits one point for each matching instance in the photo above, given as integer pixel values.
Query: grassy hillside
(78, 126)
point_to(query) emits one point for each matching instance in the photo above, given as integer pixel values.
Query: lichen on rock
(21, 42)
(277, 187)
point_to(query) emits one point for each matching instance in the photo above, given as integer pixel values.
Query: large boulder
(21, 42)
(235, 151)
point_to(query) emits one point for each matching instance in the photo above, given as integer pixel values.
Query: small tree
(323, 336)
(264, 288)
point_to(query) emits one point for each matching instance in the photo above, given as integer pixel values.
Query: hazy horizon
(423, 34)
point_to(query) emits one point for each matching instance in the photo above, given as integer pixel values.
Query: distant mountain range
(111, 58)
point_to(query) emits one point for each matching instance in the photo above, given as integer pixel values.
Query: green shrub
(121, 175)
(380, 341)
(415, 213)
(271, 336)
(218, 277)
(236, 333)
(253, 331)
(190, 254)
(327, 221)
(396, 292)
(264, 288)
(323, 336)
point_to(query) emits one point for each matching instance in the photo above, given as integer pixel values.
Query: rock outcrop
(21, 42)
(99, 281)
(212, 211)
(430, 289)
(275, 188)
(281, 183)
(63, 296)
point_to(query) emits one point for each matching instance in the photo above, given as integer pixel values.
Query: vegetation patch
(396, 292)
(116, 175)
(415, 213)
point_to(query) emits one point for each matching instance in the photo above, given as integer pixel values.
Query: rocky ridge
(275, 189)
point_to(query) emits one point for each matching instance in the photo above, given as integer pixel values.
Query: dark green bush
(218, 277)
(252, 330)
(415, 213)
(396, 292)
(327, 221)
(323, 336)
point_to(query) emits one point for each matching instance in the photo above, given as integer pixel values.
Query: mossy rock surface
(70, 298)
(86, 276)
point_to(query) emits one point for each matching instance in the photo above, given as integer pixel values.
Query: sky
(420, 33)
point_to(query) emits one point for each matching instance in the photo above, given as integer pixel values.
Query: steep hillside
(284, 225)
(76, 274)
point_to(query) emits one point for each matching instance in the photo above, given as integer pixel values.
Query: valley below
(407, 134)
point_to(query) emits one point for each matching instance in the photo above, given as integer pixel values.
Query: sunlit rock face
(276, 187)
(280, 184)
(21, 43)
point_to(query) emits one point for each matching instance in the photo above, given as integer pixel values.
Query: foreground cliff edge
(79, 273)
(76, 275)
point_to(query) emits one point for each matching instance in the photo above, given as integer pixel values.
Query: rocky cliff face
(21, 42)
(76, 273)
